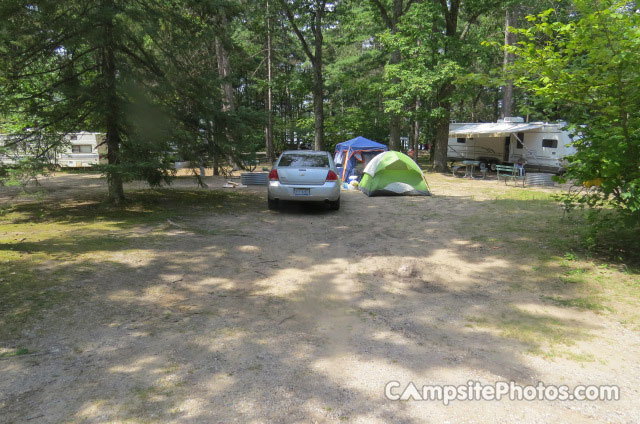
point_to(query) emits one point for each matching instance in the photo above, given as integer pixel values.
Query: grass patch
(46, 248)
(542, 335)
(10, 353)
(25, 294)
(530, 228)
(582, 303)
(579, 357)
(141, 207)
(477, 320)
(526, 220)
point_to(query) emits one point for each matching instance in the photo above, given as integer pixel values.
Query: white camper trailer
(85, 149)
(542, 145)
(81, 150)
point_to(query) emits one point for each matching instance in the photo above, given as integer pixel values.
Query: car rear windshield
(298, 160)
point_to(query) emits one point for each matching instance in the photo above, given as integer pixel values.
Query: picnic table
(469, 166)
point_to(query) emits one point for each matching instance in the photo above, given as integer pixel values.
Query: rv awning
(499, 129)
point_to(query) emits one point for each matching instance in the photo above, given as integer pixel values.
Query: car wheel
(334, 206)
(273, 204)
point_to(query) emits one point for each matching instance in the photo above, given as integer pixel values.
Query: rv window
(547, 142)
(73, 137)
(462, 140)
(81, 148)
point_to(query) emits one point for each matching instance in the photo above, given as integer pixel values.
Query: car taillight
(273, 175)
(331, 176)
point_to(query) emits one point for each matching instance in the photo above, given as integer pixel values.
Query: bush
(609, 233)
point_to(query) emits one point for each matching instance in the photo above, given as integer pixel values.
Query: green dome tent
(393, 174)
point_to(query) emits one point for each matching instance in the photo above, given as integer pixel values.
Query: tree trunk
(228, 103)
(450, 11)
(114, 177)
(316, 62)
(318, 81)
(395, 121)
(216, 165)
(509, 39)
(224, 70)
(318, 107)
(269, 127)
(442, 141)
(391, 19)
(416, 130)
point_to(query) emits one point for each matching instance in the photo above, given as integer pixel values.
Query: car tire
(334, 206)
(272, 204)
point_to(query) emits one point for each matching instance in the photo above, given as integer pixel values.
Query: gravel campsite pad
(218, 310)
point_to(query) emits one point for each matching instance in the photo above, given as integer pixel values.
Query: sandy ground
(304, 315)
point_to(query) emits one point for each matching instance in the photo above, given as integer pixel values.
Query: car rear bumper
(329, 191)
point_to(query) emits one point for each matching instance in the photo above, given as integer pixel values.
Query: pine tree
(88, 65)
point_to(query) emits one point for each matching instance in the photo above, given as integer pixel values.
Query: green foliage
(144, 73)
(24, 171)
(612, 235)
(590, 67)
(354, 76)
(166, 101)
(83, 66)
(425, 66)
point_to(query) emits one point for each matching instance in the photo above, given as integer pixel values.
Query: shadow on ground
(230, 312)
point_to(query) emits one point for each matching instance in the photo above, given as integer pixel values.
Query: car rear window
(297, 160)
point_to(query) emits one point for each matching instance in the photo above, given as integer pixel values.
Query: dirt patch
(240, 314)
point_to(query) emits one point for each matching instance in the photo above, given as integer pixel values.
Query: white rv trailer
(542, 145)
(82, 150)
(85, 149)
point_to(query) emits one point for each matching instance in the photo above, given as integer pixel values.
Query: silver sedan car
(304, 175)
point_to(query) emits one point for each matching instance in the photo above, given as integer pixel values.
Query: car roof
(305, 152)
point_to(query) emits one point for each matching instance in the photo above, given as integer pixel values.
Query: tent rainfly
(393, 174)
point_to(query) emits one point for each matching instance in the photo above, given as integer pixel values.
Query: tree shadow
(224, 318)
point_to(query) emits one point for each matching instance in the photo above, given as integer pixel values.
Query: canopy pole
(344, 165)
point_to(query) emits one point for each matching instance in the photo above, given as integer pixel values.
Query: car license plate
(301, 191)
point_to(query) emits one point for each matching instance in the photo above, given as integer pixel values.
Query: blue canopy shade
(349, 153)
(361, 144)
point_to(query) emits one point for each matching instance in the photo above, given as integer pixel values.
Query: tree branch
(297, 31)
(407, 6)
(383, 13)
(467, 27)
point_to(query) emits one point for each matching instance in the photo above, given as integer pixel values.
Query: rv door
(507, 148)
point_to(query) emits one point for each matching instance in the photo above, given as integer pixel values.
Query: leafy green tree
(355, 60)
(391, 15)
(437, 43)
(590, 67)
(424, 67)
(307, 19)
